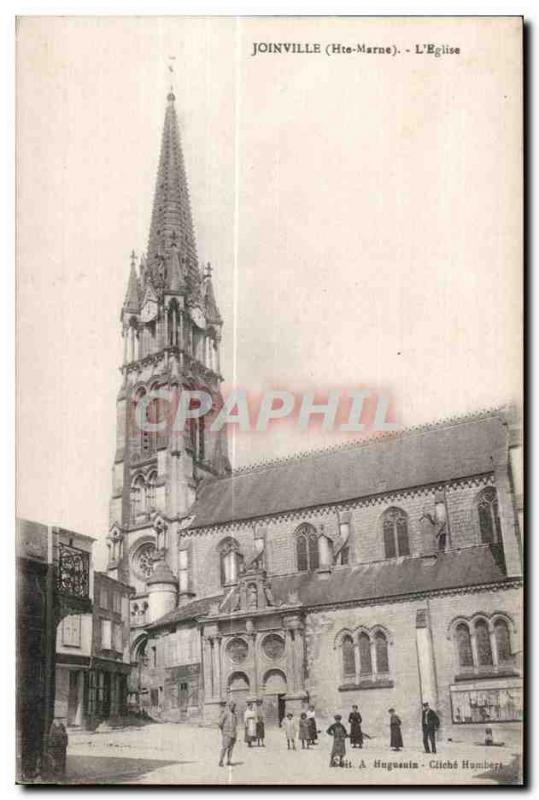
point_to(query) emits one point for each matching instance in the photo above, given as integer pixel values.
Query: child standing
(304, 731)
(338, 731)
(290, 730)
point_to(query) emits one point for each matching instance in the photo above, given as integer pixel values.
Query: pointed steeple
(132, 296)
(210, 304)
(172, 222)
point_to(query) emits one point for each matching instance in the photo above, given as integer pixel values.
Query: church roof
(172, 221)
(189, 611)
(385, 464)
(376, 581)
(471, 566)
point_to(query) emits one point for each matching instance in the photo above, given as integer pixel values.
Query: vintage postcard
(270, 334)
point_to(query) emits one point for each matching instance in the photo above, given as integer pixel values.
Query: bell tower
(171, 329)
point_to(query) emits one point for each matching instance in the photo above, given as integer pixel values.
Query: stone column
(254, 687)
(493, 648)
(217, 667)
(425, 659)
(291, 660)
(374, 659)
(300, 658)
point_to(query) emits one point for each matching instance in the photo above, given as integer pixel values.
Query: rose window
(143, 560)
(237, 650)
(273, 646)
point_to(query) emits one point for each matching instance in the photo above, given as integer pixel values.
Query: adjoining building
(93, 658)
(384, 573)
(53, 582)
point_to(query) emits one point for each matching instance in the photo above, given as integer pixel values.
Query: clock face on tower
(149, 311)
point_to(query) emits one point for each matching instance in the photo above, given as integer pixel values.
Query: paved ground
(174, 754)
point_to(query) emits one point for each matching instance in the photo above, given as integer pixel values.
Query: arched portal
(238, 691)
(274, 700)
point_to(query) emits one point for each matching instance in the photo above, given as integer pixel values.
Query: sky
(362, 214)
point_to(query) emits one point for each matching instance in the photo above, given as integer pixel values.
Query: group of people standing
(306, 730)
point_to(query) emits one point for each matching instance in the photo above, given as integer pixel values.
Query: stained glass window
(395, 526)
(380, 643)
(503, 642)
(348, 657)
(482, 637)
(301, 553)
(489, 518)
(365, 661)
(143, 560)
(307, 548)
(464, 645)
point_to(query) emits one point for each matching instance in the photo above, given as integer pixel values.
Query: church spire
(210, 304)
(171, 223)
(132, 295)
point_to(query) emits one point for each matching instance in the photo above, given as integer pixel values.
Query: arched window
(482, 637)
(489, 518)
(230, 561)
(380, 644)
(464, 645)
(307, 548)
(503, 642)
(150, 491)
(138, 497)
(365, 660)
(395, 527)
(301, 554)
(348, 658)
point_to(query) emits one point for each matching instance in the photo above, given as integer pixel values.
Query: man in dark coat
(395, 735)
(228, 724)
(430, 724)
(338, 751)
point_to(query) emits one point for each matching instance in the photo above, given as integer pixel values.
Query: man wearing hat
(430, 724)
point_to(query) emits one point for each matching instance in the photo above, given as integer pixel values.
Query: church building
(383, 573)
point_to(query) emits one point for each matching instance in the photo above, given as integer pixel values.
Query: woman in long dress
(311, 716)
(260, 728)
(338, 751)
(395, 738)
(356, 734)
(249, 719)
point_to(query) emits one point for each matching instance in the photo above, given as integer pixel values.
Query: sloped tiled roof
(190, 611)
(414, 458)
(375, 581)
(470, 566)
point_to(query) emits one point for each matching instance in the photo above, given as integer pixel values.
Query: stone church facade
(384, 573)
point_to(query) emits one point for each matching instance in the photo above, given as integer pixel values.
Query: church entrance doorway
(281, 707)
(274, 704)
(238, 690)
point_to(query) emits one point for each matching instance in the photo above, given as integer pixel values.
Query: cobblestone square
(183, 754)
